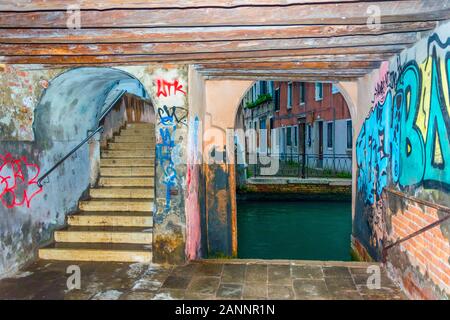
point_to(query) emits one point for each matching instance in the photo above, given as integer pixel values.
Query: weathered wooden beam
(283, 78)
(326, 13)
(384, 51)
(117, 59)
(374, 57)
(37, 5)
(291, 65)
(205, 47)
(202, 34)
(292, 72)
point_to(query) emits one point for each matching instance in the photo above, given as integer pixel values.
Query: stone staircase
(115, 224)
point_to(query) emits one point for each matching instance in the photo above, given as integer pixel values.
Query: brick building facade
(301, 119)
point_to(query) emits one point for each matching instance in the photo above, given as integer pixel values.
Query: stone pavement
(222, 279)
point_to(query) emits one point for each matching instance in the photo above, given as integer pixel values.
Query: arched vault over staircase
(75, 99)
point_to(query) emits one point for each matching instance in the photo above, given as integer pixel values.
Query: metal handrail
(412, 235)
(93, 133)
(39, 182)
(420, 231)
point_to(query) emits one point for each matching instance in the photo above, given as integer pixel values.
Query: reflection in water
(294, 230)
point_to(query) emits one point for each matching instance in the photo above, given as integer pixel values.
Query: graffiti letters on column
(166, 149)
(407, 134)
(177, 115)
(164, 154)
(166, 88)
(18, 181)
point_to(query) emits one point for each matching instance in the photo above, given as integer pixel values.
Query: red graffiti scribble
(164, 88)
(13, 182)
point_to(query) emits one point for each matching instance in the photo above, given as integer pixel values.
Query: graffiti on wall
(167, 88)
(18, 181)
(174, 114)
(164, 150)
(405, 141)
(167, 151)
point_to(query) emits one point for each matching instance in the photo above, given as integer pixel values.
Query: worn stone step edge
(107, 255)
(112, 205)
(103, 236)
(122, 193)
(116, 220)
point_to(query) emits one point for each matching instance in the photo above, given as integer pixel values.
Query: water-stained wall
(44, 114)
(403, 165)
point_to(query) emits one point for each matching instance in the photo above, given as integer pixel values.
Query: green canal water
(306, 230)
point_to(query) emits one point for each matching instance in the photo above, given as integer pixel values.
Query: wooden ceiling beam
(294, 14)
(297, 78)
(315, 53)
(206, 47)
(291, 65)
(39, 5)
(331, 72)
(197, 34)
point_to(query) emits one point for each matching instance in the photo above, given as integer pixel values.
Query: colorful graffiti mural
(404, 143)
(407, 133)
(18, 181)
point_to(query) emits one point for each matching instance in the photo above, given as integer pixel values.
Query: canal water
(306, 230)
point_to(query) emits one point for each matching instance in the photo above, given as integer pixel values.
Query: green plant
(261, 99)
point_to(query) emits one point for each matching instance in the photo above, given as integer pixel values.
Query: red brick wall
(322, 108)
(428, 252)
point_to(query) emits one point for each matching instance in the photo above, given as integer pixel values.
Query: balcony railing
(300, 165)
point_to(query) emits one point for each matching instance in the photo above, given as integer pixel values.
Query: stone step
(127, 154)
(131, 145)
(127, 162)
(127, 171)
(137, 132)
(81, 234)
(140, 125)
(112, 219)
(116, 205)
(122, 193)
(134, 138)
(67, 251)
(126, 182)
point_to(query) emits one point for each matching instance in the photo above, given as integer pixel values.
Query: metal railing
(91, 133)
(302, 165)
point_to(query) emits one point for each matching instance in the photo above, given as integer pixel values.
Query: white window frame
(332, 135)
(275, 101)
(316, 95)
(300, 95)
(290, 95)
(334, 88)
(351, 127)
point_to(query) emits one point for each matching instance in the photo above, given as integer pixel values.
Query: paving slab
(230, 279)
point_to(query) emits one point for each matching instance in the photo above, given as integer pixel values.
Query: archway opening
(294, 150)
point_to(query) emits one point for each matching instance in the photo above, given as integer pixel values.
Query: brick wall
(322, 108)
(427, 253)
